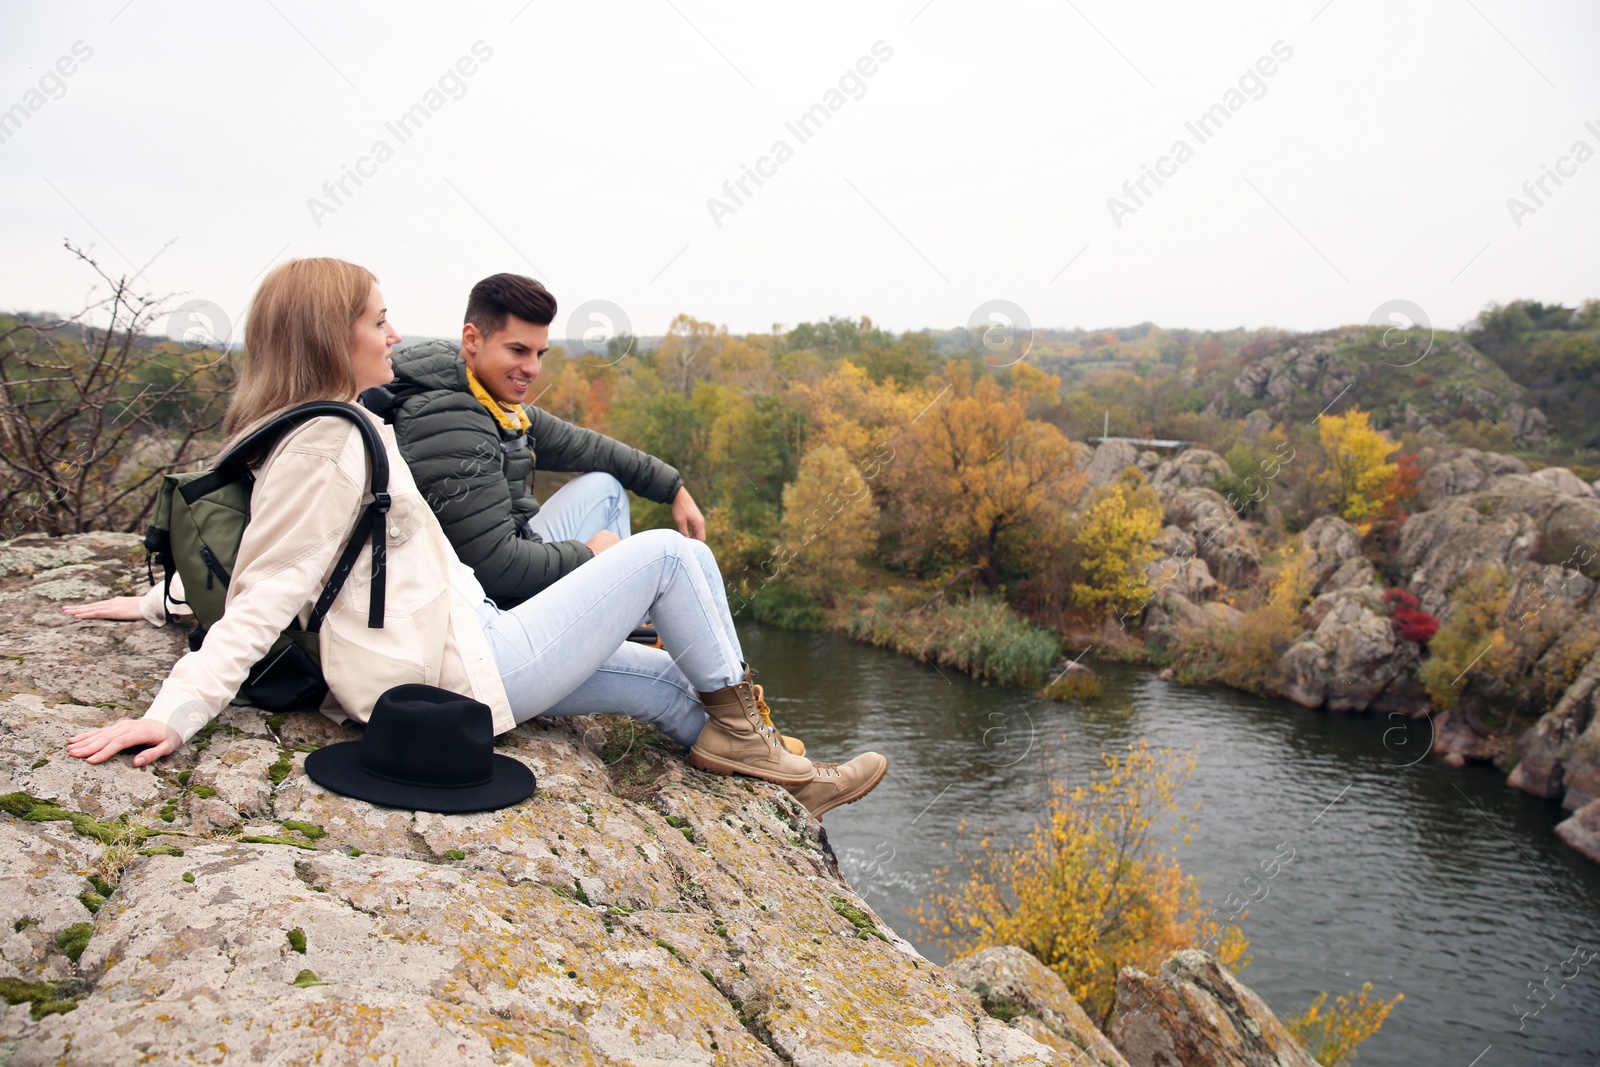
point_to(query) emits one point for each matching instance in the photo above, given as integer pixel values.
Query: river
(1442, 884)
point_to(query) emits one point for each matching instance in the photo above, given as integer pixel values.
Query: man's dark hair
(501, 295)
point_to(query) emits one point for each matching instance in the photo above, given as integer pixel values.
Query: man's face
(507, 362)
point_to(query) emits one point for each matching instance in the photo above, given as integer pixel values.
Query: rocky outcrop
(1349, 651)
(1170, 612)
(1221, 538)
(1309, 366)
(221, 907)
(1108, 461)
(1565, 482)
(1325, 546)
(1191, 468)
(1464, 470)
(1195, 1014)
(1581, 830)
(1560, 755)
(1012, 983)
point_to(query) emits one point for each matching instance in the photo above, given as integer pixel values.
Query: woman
(318, 330)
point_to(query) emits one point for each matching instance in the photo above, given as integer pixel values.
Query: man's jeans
(564, 650)
(582, 508)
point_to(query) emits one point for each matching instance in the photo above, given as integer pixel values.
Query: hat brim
(334, 767)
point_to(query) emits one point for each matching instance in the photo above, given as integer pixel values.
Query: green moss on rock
(43, 998)
(74, 939)
(863, 923)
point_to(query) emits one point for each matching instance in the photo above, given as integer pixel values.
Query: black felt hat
(426, 749)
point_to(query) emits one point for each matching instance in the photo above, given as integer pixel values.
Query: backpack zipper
(213, 567)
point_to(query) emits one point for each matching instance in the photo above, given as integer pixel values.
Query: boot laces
(761, 706)
(827, 770)
(761, 722)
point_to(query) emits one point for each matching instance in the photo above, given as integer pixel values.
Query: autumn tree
(1113, 540)
(829, 522)
(1359, 473)
(971, 472)
(1089, 890)
(1470, 646)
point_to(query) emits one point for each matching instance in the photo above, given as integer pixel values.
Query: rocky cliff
(220, 907)
(1482, 515)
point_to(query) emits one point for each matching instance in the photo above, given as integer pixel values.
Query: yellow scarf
(509, 418)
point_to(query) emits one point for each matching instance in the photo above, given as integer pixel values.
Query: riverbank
(1474, 621)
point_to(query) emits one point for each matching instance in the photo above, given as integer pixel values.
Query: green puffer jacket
(477, 476)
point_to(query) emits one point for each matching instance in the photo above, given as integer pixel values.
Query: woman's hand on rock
(118, 608)
(97, 746)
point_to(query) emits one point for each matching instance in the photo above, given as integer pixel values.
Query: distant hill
(1406, 381)
(1554, 353)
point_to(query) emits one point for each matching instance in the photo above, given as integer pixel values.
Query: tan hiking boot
(834, 784)
(793, 744)
(740, 740)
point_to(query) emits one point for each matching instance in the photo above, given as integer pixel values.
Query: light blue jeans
(564, 650)
(582, 508)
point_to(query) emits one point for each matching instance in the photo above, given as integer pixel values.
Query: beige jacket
(307, 498)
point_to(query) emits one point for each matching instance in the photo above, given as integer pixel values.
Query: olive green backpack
(195, 532)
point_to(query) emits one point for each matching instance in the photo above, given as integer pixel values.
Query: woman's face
(369, 346)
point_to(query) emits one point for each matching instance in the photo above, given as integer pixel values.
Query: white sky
(976, 166)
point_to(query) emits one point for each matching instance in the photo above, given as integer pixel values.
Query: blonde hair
(297, 340)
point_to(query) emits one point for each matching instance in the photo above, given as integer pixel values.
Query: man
(464, 423)
(470, 436)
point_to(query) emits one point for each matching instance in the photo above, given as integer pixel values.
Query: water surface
(1442, 884)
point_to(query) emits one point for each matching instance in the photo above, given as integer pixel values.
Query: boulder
(1108, 462)
(1168, 612)
(1301, 674)
(1010, 981)
(633, 910)
(1351, 624)
(1327, 544)
(1440, 548)
(1195, 1014)
(1189, 575)
(1460, 471)
(1221, 537)
(1189, 468)
(1171, 542)
(1564, 482)
(1581, 830)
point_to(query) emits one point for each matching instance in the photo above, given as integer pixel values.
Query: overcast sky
(582, 143)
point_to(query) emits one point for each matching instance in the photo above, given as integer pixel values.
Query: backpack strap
(382, 400)
(235, 466)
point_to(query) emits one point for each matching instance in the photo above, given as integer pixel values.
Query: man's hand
(602, 541)
(687, 515)
(97, 746)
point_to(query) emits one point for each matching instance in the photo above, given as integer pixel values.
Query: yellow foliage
(1359, 473)
(1469, 641)
(850, 410)
(829, 522)
(1242, 654)
(1291, 586)
(1113, 539)
(1088, 891)
(1332, 1034)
